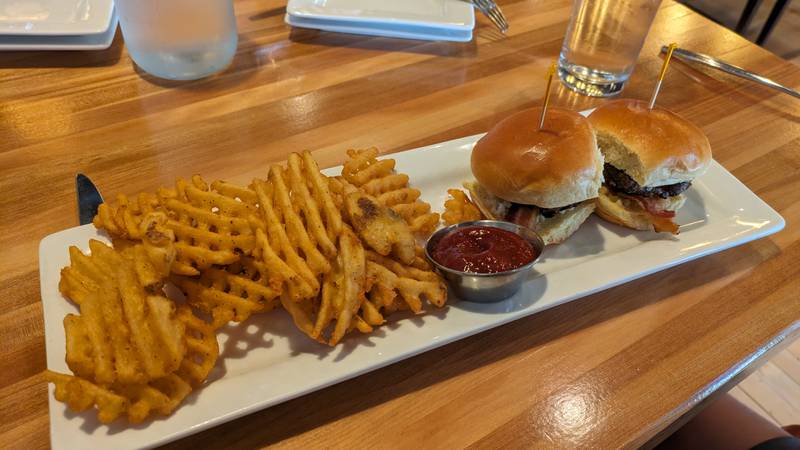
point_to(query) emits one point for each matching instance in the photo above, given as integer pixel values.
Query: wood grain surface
(614, 369)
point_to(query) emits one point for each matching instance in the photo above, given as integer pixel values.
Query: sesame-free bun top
(553, 167)
(655, 148)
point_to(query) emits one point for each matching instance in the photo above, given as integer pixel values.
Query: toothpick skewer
(661, 75)
(550, 72)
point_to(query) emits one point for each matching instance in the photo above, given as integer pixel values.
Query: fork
(490, 9)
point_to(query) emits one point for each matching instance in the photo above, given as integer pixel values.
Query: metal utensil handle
(731, 69)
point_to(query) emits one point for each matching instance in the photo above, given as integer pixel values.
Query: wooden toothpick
(661, 75)
(550, 72)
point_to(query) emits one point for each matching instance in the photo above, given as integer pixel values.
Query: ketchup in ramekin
(482, 249)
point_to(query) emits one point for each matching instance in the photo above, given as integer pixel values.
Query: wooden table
(613, 369)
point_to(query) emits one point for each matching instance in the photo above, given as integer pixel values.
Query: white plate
(384, 30)
(55, 17)
(281, 363)
(88, 42)
(449, 14)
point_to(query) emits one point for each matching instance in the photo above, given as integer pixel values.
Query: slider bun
(626, 213)
(655, 148)
(558, 228)
(554, 167)
(610, 208)
(552, 231)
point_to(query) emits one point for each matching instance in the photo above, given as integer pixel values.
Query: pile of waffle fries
(337, 254)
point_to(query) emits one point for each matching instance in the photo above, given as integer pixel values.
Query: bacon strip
(520, 214)
(660, 218)
(650, 204)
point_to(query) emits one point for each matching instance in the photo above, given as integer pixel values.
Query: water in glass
(179, 39)
(602, 44)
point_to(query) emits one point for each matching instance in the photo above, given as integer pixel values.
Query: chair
(774, 15)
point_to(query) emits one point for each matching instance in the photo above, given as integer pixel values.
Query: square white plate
(448, 14)
(274, 362)
(89, 42)
(384, 30)
(55, 17)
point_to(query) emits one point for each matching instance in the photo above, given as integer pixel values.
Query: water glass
(179, 39)
(603, 41)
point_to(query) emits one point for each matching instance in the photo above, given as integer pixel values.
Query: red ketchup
(483, 250)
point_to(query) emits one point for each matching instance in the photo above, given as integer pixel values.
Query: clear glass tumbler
(179, 39)
(603, 41)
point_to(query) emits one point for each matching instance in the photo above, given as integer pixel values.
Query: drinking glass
(603, 41)
(179, 39)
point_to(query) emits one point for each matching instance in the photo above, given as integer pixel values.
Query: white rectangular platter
(442, 14)
(269, 361)
(55, 17)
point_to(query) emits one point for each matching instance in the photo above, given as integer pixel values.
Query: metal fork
(490, 9)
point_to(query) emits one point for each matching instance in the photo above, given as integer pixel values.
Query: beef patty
(619, 181)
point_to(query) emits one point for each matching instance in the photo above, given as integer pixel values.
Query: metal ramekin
(486, 287)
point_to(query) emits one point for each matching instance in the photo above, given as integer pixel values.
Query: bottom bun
(552, 231)
(558, 228)
(626, 213)
(615, 210)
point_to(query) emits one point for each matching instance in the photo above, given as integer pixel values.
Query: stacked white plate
(435, 20)
(57, 24)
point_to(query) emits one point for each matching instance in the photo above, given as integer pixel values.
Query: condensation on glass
(179, 39)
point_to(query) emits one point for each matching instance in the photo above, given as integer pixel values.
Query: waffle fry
(202, 349)
(302, 312)
(131, 349)
(123, 218)
(351, 292)
(459, 208)
(151, 259)
(80, 395)
(341, 295)
(232, 293)
(388, 278)
(140, 400)
(274, 245)
(323, 196)
(309, 206)
(377, 178)
(125, 332)
(296, 231)
(210, 224)
(210, 228)
(326, 312)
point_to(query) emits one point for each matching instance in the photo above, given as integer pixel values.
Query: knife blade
(89, 198)
(722, 66)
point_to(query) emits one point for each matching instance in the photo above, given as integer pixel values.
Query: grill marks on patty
(618, 180)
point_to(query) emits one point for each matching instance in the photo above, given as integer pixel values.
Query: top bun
(655, 148)
(553, 167)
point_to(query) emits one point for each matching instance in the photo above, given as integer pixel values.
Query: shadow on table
(63, 58)
(274, 12)
(324, 407)
(744, 92)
